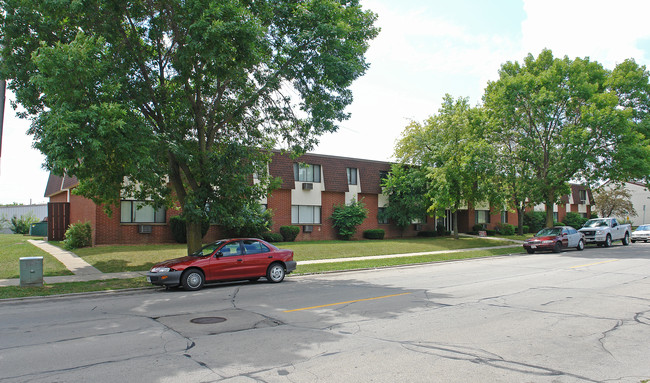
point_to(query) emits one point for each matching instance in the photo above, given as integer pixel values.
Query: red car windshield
(549, 231)
(208, 249)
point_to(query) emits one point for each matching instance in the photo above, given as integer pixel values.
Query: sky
(425, 49)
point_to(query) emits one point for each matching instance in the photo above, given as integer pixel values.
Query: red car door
(258, 257)
(565, 238)
(227, 263)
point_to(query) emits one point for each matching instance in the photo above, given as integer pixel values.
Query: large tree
(571, 119)
(614, 202)
(182, 98)
(513, 178)
(406, 188)
(457, 160)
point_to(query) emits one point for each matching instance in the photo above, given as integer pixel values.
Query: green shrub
(78, 235)
(574, 220)
(289, 233)
(441, 229)
(249, 221)
(374, 234)
(272, 237)
(179, 229)
(21, 225)
(427, 233)
(506, 228)
(478, 227)
(535, 220)
(525, 229)
(491, 232)
(346, 218)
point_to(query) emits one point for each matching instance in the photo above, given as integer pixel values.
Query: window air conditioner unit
(307, 186)
(144, 229)
(307, 228)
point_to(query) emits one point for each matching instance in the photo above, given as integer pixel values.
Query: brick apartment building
(311, 186)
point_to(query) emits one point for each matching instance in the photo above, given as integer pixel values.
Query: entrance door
(58, 220)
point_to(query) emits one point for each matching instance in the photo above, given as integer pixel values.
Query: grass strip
(72, 287)
(375, 263)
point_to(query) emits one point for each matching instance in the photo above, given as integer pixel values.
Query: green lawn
(113, 259)
(110, 259)
(372, 263)
(15, 246)
(304, 251)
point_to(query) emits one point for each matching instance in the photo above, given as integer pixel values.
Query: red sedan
(555, 239)
(225, 260)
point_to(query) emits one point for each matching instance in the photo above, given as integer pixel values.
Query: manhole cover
(208, 320)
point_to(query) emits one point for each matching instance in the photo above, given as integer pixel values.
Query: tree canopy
(614, 202)
(406, 188)
(191, 93)
(455, 157)
(571, 120)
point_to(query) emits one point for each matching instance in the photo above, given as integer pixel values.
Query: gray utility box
(31, 271)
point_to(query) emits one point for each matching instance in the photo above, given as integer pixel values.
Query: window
(254, 247)
(140, 212)
(352, 176)
(381, 216)
(306, 173)
(305, 214)
(504, 216)
(583, 196)
(232, 248)
(482, 216)
(383, 175)
(555, 216)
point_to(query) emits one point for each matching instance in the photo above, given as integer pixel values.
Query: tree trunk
(549, 215)
(520, 220)
(194, 237)
(456, 224)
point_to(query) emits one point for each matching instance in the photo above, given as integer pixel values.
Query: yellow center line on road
(597, 263)
(343, 303)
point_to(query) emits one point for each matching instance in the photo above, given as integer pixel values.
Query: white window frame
(353, 176)
(580, 194)
(306, 172)
(131, 211)
(298, 210)
(481, 220)
(381, 221)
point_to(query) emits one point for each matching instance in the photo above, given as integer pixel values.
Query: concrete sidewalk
(84, 272)
(70, 260)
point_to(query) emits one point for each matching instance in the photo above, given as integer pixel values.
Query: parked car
(642, 233)
(225, 260)
(604, 231)
(555, 239)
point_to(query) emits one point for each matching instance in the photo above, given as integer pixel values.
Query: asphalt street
(568, 317)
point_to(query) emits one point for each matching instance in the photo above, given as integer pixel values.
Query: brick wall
(111, 231)
(280, 202)
(82, 210)
(61, 197)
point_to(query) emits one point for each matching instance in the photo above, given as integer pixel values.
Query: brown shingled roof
(334, 171)
(57, 184)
